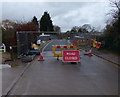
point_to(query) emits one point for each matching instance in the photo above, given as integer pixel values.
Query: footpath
(10, 76)
(113, 58)
(107, 56)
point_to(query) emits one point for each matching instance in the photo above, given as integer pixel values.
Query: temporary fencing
(90, 43)
(24, 41)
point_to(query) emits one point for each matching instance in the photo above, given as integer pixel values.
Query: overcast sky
(64, 14)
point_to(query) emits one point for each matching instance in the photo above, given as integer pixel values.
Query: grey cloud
(64, 14)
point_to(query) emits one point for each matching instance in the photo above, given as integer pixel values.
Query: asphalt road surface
(92, 76)
(56, 42)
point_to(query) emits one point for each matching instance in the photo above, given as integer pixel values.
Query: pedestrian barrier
(94, 43)
(54, 51)
(91, 42)
(75, 43)
(82, 42)
(72, 48)
(61, 48)
(98, 44)
(65, 48)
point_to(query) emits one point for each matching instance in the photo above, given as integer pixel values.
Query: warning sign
(71, 55)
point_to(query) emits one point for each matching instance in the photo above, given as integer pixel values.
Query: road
(93, 76)
(56, 42)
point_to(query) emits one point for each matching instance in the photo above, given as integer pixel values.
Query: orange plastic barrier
(75, 43)
(98, 44)
(94, 43)
(61, 49)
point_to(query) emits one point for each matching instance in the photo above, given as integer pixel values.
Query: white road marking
(46, 46)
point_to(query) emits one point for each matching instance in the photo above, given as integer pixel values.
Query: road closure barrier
(72, 48)
(54, 49)
(75, 43)
(80, 43)
(92, 43)
(61, 48)
(71, 56)
(96, 44)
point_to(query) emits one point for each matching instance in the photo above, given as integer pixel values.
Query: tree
(8, 28)
(30, 26)
(57, 28)
(75, 29)
(46, 23)
(86, 28)
(35, 22)
(112, 30)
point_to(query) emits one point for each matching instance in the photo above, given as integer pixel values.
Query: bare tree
(116, 11)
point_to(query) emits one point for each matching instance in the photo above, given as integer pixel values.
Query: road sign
(71, 55)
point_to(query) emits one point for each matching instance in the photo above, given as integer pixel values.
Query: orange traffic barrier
(82, 42)
(72, 48)
(65, 47)
(54, 51)
(94, 43)
(58, 46)
(98, 44)
(75, 43)
(61, 48)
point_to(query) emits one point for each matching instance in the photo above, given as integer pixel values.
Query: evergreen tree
(35, 21)
(46, 22)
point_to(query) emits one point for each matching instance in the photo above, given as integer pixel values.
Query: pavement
(92, 76)
(9, 76)
(107, 56)
(111, 57)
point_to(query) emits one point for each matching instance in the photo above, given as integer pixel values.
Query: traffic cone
(41, 51)
(41, 58)
(90, 52)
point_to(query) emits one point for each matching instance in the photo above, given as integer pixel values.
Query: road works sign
(71, 55)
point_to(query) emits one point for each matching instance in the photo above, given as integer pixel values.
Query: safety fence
(91, 43)
(61, 48)
(24, 41)
(27, 40)
(96, 44)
